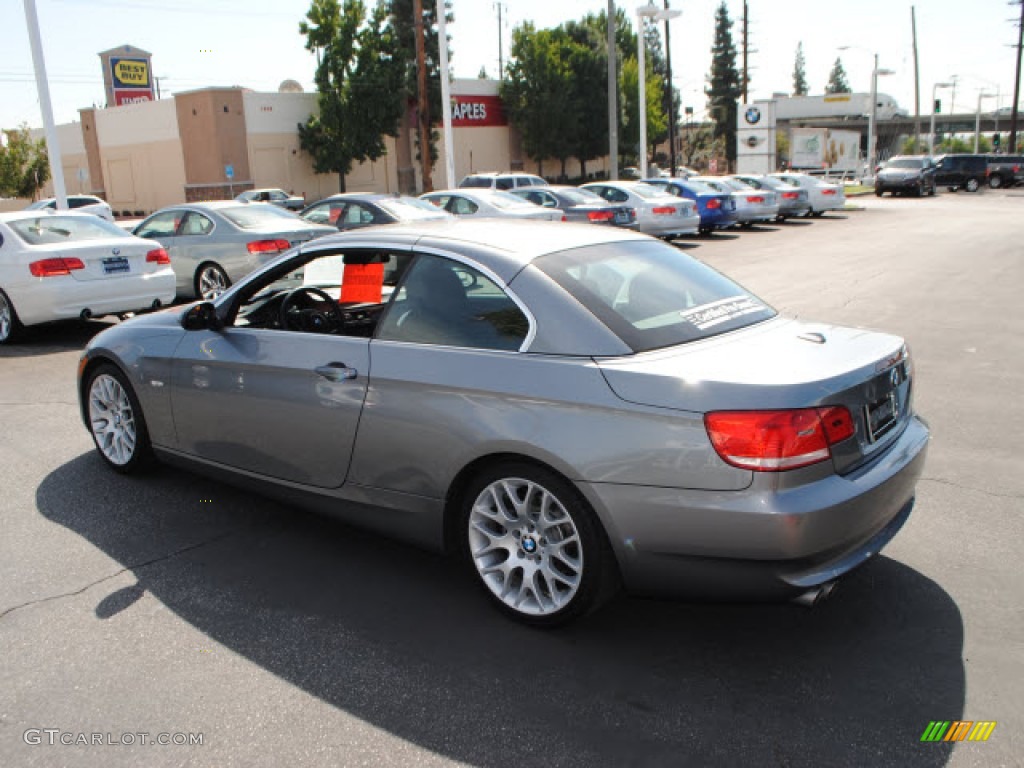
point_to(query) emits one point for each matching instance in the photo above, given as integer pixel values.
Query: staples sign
(130, 73)
(477, 111)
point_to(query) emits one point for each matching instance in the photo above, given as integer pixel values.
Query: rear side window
(476, 182)
(160, 225)
(652, 296)
(505, 183)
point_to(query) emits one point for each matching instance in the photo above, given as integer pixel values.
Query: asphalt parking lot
(173, 604)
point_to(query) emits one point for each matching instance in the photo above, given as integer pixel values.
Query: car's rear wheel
(879, 192)
(10, 326)
(211, 281)
(972, 185)
(995, 181)
(535, 544)
(116, 422)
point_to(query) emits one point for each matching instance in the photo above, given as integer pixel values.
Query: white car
(657, 212)
(489, 203)
(83, 203)
(58, 265)
(823, 195)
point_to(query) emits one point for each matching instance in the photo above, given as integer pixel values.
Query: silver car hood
(781, 363)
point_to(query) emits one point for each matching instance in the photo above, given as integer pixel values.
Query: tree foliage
(724, 83)
(800, 87)
(657, 64)
(837, 82)
(24, 164)
(359, 82)
(657, 120)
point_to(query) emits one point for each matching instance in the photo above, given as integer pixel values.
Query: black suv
(1005, 170)
(967, 171)
(906, 174)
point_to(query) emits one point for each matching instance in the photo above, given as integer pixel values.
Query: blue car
(717, 210)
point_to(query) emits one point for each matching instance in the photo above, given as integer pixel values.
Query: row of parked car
(66, 264)
(922, 175)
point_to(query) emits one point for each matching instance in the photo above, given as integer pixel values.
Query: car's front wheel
(10, 326)
(115, 420)
(972, 185)
(535, 544)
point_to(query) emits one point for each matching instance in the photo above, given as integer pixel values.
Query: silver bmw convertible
(570, 409)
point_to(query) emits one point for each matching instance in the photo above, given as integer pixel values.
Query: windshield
(254, 216)
(648, 191)
(409, 208)
(905, 162)
(736, 184)
(506, 200)
(650, 295)
(477, 182)
(45, 230)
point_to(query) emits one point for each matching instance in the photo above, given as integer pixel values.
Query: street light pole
(871, 118)
(643, 12)
(613, 116)
(977, 118)
(931, 130)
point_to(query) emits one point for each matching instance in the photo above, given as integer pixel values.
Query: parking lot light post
(875, 72)
(931, 130)
(977, 118)
(643, 12)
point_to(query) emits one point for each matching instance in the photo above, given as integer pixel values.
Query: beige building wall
(74, 161)
(141, 156)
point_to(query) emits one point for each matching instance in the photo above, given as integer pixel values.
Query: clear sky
(256, 43)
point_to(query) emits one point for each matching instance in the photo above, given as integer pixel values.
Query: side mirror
(201, 317)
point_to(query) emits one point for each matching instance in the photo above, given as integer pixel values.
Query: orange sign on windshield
(362, 283)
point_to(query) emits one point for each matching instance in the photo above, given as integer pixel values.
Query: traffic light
(938, 106)
(995, 140)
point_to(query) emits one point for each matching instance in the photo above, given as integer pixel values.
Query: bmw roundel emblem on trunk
(116, 251)
(753, 115)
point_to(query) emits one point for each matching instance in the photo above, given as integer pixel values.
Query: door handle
(336, 372)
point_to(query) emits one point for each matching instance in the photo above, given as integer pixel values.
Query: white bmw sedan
(57, 265)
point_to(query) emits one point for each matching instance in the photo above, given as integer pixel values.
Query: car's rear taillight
(664, 210)
(755, 199)
(268, 246)
(790, 195)
(773, 441)
(54, 267)
(158, 256)
(714, 204)
(600, 215)
(828, 191)
(564, 217)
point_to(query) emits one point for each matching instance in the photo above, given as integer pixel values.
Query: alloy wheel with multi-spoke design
(112, 420)
(525, 546)
(6, 319)
(211, 282)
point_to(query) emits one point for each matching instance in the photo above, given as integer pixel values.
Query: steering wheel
(320, 315)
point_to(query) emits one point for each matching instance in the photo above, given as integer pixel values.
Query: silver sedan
(752, 205)
(212, 245)
(566, 407)
(489, 203)
(657, 212)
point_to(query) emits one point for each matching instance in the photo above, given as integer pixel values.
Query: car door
(163, 227)
(945, 172)
(279, 403)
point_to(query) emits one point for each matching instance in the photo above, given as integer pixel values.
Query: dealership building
(143, 152)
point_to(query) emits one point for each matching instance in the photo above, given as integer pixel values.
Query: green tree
(800, 87)
(24, 164)
(359, 83)
(782, 148)
(657, 64)
(402, 20)
(537, 83)
(724, 83)
(589, 98)
(837, 82)
(657, 120)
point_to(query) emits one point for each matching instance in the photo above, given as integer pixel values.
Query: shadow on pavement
(52, 338)
(405, 641)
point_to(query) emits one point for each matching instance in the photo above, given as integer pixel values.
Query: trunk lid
(780, 364)
(103, 259)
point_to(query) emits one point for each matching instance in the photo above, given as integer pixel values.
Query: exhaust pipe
(86, 314)
(813, 597)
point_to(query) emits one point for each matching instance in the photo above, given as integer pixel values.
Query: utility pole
(43, 86)
(613, 116)
(501, 47)
(671, 98)
(917, 85)
(1016, 82)
(952, 99)
(746, 78)
(446, 95)
(421, 85)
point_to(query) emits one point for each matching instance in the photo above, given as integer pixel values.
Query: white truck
(835, 105)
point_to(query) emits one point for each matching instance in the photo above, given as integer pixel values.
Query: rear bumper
(801, 208)
(64, 298)
(764, 541)
(668, 225)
